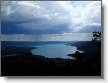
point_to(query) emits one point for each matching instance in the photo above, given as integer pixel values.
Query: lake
(54, 50)
(48, 49)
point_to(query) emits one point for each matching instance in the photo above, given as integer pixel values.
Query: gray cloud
(51, 16)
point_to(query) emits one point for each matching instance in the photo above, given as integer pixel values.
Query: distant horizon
(49, 37)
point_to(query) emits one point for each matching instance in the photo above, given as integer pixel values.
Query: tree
(96, 36)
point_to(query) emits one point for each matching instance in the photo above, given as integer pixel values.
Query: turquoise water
(54, 50)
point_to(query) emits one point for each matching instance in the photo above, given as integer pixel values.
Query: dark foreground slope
(20, 62)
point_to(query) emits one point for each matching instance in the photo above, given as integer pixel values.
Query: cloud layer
(50, 17)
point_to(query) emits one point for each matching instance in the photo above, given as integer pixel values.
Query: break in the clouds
(50, 17)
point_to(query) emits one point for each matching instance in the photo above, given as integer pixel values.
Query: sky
(50, 17)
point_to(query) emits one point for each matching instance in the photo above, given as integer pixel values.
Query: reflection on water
(54, 50)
